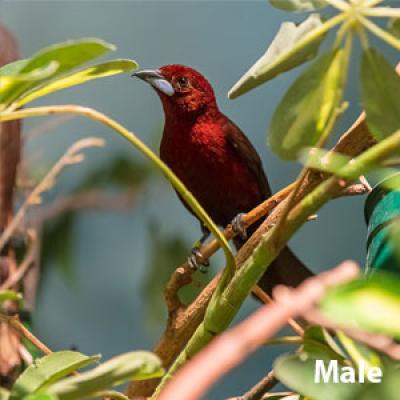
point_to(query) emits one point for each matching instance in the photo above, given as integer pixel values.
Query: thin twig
(296, 326)
(262, 387)
(182, 323)
(231, 347)
(25, 355)
(16, 324)
(23, 268)
(182, 275)
(380, 342)
(70, 157)
(145, 150)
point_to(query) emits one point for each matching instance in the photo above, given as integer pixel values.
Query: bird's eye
(182, 82)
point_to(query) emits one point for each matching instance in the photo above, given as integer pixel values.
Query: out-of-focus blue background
(103, 309)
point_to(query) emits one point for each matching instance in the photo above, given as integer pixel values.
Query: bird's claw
(238, 226)
(197, 261)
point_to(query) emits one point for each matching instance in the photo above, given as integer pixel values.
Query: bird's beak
(155, 79)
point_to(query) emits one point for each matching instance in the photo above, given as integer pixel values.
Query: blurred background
(103, 270)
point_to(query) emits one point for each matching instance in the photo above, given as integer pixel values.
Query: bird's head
(182, 90)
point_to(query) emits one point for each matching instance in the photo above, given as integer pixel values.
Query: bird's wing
(246, 151)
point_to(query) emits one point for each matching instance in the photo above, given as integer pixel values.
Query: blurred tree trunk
(10, 153)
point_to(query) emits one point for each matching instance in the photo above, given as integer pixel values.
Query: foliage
(55, 68)
(48, 377)
(300, 127)
(371, 304)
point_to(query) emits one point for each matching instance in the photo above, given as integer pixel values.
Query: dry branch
(233, 346)
(27, 262)
(10, 154)
(262, 387)
(70, 157)
(183, 322)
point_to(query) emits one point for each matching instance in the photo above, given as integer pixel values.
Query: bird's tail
(286, 269)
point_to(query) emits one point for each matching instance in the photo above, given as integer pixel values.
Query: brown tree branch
(10, 153)
(263, 386)
(18, 327)
(183, 322)
(234, 345)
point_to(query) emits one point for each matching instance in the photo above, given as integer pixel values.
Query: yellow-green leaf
(13, 68)
(69, 54)
(24, 75)
(297, 372)
(380, 94)
(298, 5)
(303, 114)
(135, 365)
(110, 68)
(12, 85)
(293, 45)
(369, 303)
(47, 370)
(9, 295)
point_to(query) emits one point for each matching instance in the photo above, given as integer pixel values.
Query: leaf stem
(285, 340)
(19, 327)
(382, 12)
(136, 142)
(352, 350)
(371, 3)
(363, 37)
(381, 33)
(339, 4)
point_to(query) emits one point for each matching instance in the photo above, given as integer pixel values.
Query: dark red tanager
(214, 159)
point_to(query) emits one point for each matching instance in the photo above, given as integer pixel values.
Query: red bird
(214, 159)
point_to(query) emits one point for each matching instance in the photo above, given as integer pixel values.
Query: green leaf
(76, 78)
(63, 57)
(388, 389)
(298, 373)
(13, 68)
(70, 54)
(13, 85)
(369, 303)
(47, 370)
(40, 396)
(394, 26)
(380, 92)
(325, 161)
(303, 115)
(4, 394)
(317, 341)
(298, 5)
(135, 365)
(10, 295)
(292, 46)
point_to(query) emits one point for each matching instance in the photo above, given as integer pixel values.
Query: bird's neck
(176, 118)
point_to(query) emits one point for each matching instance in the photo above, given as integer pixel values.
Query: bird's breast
(212, 171)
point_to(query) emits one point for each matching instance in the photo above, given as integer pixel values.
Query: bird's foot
(197, 261)
(238, 226)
